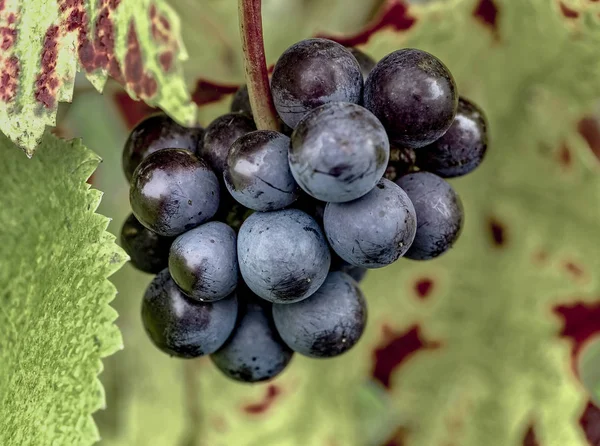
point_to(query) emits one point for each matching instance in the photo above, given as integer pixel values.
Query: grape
(241, 101)
(183, 327)
(439, 214)
(356, 272)
(463, 146)
(373, 231)
(173, 191)
(154, 133)
(219, 136)
(148, 251)
(311, 73)
(365, 62)
(232, 212)
(339, 152)
(255, 351)
(203, 262)
(283, 255)
(402, 161)
(257, 172)
(328, 323)
(414, 95)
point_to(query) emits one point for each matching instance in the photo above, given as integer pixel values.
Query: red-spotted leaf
(44, 43)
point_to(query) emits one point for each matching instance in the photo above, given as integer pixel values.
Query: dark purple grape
(365, 62)
(358, 273)
(203, 262)
(182, 327)
(339, 152)
(311, 73)
(220, 135)
(231, 211)
(154, 133)
(439, 211)
(402, 161)
(255, 351)
(173, 191)
(328, 323)
(258, 173)
(463, 146)
(414, 96)
(241, 101)
(148, 251)
(375, 230)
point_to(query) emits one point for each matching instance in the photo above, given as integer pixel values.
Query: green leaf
(56, 323)
(137, 42)
(491, 366)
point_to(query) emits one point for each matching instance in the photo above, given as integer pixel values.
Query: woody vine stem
(255, 65)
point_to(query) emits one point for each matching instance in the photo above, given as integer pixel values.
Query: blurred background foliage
(479, 347)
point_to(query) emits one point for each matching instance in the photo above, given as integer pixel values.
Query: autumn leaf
(44, 43)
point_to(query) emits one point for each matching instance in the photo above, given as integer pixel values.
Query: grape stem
(255, 64)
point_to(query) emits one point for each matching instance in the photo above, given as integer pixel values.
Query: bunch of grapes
(259, 238)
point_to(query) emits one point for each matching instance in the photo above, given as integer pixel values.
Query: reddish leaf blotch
(568, 12)
(258, 408)
(487, 13)
(497, 232)
(530, 438)
(423, 287)
(394, 14)
(396, 349)
(590, 422)
(589, 129)
(47, 82)
(207, 92)
(9, 73)
(580, 322)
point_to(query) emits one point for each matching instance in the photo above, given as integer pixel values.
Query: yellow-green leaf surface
(494, 368)
(55, 319)
(44, 43)
(211, 31)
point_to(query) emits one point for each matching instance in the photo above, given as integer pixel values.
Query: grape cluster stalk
(259, 229)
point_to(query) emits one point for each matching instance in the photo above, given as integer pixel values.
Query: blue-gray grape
(339, 152)
(173, 191)
(148, 251)
(463, 146)
(157, 132)
(328, 323)
(203, 262)
(375, 230)
(183, 327)
(414, 96)
(283, 255)
(255, 351)
(219, 136)
(311, 73)
(258, 174)
(439, 214)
